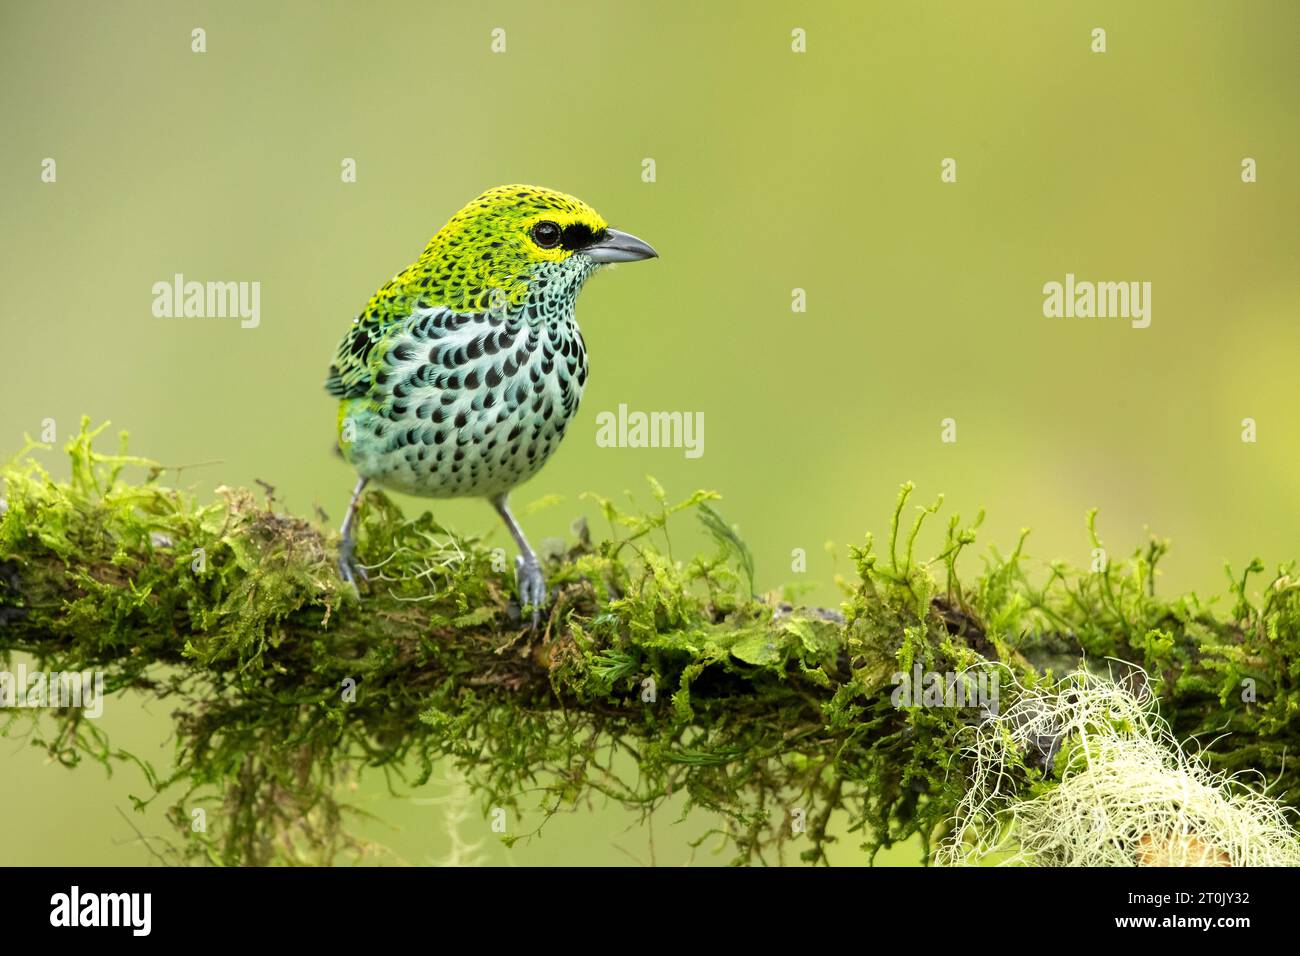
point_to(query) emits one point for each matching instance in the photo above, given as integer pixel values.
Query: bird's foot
(349, 570)
(532, 585)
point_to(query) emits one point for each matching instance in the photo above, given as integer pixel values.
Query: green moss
(284, 686)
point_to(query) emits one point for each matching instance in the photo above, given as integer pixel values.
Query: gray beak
(620, 247)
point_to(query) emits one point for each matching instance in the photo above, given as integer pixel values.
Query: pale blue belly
(472, 407)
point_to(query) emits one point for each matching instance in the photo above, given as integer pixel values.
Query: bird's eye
(546, 234)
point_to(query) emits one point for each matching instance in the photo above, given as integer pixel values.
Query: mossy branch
(649, 676)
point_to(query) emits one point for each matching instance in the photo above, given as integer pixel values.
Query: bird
(462, 373)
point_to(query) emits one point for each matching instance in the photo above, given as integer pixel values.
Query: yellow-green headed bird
(463, 372)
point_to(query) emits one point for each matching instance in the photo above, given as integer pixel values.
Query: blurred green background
(775, 170)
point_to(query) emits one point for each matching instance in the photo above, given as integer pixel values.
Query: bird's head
(511, 236)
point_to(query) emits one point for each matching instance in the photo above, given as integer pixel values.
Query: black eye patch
(579, 235)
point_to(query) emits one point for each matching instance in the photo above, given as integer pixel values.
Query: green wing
(361, 352)
(350, 375)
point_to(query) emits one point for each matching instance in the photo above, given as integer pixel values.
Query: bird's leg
(528, 570)
(349, 570)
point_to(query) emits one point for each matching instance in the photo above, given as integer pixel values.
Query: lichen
(1113, 788)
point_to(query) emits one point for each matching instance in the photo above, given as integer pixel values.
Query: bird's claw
(532, 585)
(349, 570)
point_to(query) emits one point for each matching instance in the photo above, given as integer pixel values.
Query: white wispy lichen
(1118, 789)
